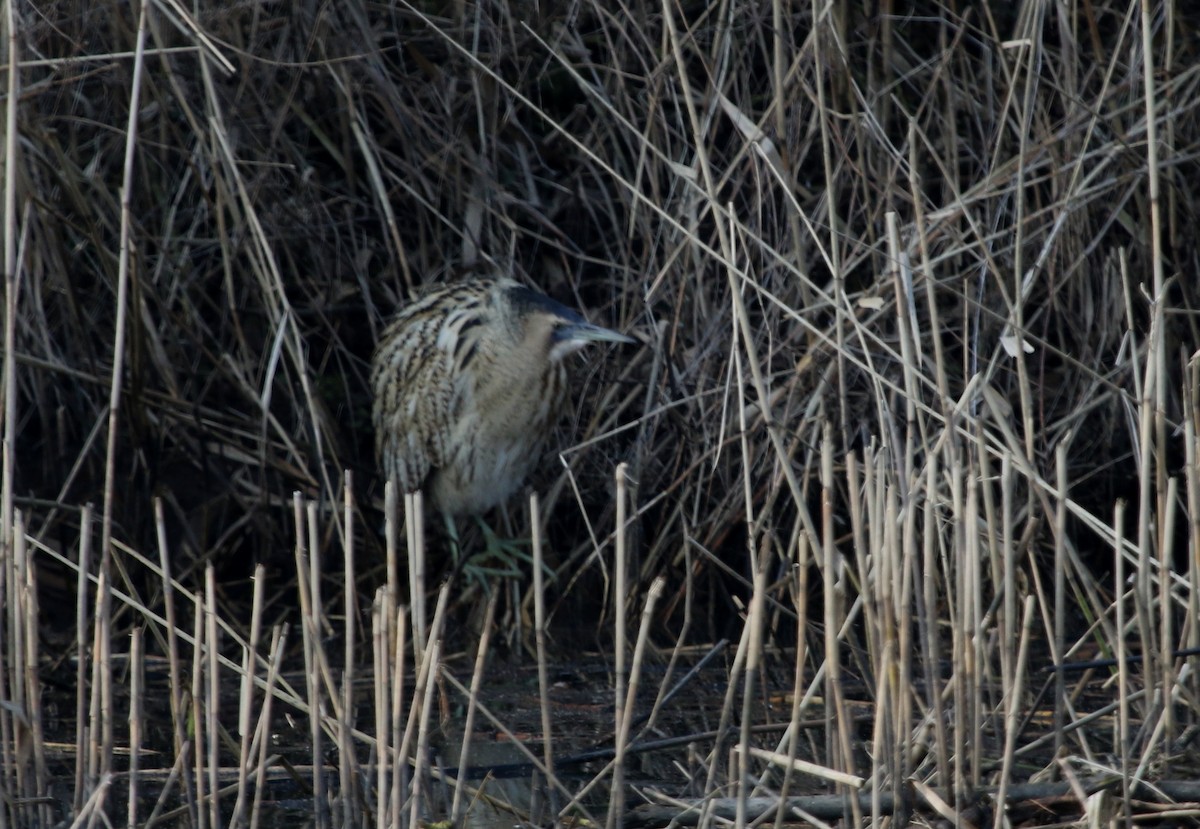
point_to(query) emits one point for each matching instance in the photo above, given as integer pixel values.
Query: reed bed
(893, 515)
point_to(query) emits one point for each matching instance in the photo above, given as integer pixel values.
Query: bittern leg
(507, 551)
(499, 558)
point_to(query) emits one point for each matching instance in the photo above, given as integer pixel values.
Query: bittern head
(550, 328)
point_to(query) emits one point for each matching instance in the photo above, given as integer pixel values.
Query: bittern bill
(468, 381)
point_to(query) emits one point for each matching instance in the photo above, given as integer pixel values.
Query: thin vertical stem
(1119, 589)
(1060, 593)
(81, 663)
(617, 806)
(464, 757)
(212, 702)
(539, 633)
(136, 680)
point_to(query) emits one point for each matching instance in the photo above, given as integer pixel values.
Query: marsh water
(506, 746)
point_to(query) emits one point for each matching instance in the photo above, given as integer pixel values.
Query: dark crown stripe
(526, 300)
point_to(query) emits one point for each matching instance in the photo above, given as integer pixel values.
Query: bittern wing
(420, 383)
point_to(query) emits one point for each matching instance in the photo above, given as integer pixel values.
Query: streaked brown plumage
(468, 382)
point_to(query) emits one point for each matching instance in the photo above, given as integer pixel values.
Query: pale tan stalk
(464, 755)
(278, 640)
(136, 681)
(212, 697)
(620, 586)
(539, 633)
(81, 662)
(246, 697)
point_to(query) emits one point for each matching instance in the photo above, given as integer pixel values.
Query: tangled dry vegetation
(916, 292)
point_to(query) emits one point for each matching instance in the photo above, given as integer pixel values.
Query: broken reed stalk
(620, 582)
(343, 801)
(934, 697)
(178, 772)
(394, 625)
(346, 754)
(197, 713)
(971, 662)
(414, 522)
(837, 716)
(420, 774)
(311, 633)
(879, 735)
(1119, 588)
(418, 714)
(625, 729)
(15, 599)
(95, 803)
(246, 695)
(1168, 643)
(349, 581)
(136, 681)
(875, 610)
(381, 674)
(1008, 580)
(1014, 710)
(1191, 626)
(400, 767)
(543, 671)
(303, 582)
(481, 653)
(1058, 639)
(962, 686)
(391, 550)
(263, 730)
(899, 569)
(388, 624)
(178, 715)
(754, 663)
(40, 781)
(791, 736)
(100, 704)
(82, 778)
(212, 695)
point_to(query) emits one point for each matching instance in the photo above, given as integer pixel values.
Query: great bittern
(468, 380)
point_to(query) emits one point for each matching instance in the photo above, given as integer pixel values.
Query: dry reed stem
(8, 769)
(81, 662)
(246, 696)
(539, 634)
(178, 771)
(456, 808)
(400, 766)
(381, 673)
(211, 696)
(620, 645)
(278, 641)
(198, 696)
(136, 680)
